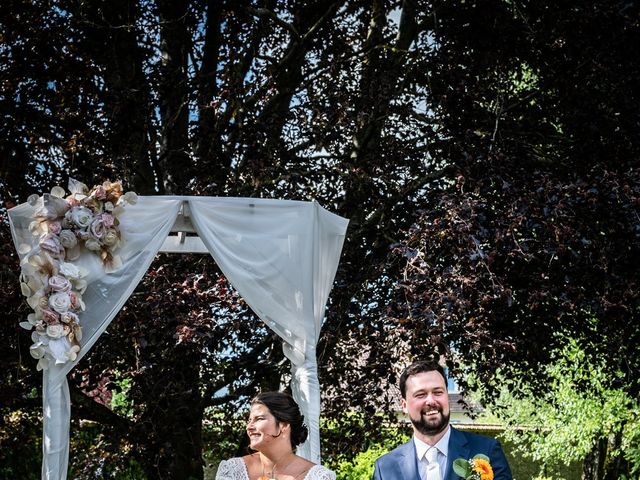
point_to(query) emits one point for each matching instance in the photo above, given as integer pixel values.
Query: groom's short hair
(420, 367)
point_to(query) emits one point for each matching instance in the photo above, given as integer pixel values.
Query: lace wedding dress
(235, 469)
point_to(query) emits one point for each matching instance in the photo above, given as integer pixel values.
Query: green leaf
(462, 467)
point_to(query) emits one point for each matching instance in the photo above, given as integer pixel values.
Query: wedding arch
(280, 255)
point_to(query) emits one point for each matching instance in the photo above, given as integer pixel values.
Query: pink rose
(59, 284)
(50, 317)
(51, 244)
(100, 193)
(54, 227)
(97, 228)
(107, 219)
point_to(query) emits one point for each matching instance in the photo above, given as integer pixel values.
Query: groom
(429, 455)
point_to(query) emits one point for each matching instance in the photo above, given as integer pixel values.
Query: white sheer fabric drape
(282, 258)
(280, 255)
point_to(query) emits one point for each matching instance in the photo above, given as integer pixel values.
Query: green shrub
(361, 467)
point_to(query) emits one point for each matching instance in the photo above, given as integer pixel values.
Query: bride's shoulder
(318, 472)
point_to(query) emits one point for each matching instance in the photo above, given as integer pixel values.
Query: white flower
(80, 216)
(60, 302)
(69, 270)
(108, 206)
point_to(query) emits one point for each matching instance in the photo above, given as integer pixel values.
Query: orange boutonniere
(476, 468)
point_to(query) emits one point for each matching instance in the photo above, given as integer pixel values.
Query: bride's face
(263, 429)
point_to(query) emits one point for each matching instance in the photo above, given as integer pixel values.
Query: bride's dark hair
(285, 409)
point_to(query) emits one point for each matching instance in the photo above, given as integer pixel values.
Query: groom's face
(427, 402)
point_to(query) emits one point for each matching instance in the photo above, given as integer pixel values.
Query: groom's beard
(431, 428)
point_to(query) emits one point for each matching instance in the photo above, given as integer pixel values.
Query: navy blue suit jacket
(402, 462)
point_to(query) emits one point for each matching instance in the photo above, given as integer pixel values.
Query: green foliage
(20, 444)
(581, 407)
(361, 467)
(353, 441)
(121, 401)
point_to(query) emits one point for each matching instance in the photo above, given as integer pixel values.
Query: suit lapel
(458, 448)
(408, 461)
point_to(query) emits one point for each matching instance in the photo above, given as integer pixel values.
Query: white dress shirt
(443, 451)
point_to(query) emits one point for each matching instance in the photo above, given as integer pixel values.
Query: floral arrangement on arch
(85, 220)
(476, 468)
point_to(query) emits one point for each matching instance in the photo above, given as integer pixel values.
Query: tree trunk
(111, 34)
(172, 423)
(175, 160)
(593, 466)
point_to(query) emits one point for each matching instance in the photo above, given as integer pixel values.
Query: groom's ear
(403, 404)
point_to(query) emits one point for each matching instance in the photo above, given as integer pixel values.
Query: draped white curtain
(280, 255)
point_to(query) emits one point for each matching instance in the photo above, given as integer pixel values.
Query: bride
(275, 429)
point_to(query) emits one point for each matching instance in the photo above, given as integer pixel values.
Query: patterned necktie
(433, 469)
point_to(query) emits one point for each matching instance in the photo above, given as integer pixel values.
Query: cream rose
(111, 237)
(92, 244)
(69, 317)
(68, 239)
(55, 331)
